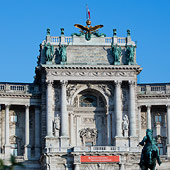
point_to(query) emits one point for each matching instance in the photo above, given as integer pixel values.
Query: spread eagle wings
(95, 27)
(81, 27)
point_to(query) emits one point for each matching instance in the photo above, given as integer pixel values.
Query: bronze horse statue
(150, 152)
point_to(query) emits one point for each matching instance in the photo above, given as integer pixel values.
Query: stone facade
(83, 103)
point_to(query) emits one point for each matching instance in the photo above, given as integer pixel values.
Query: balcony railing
(154, 89)
(105, 40)
(18, 88)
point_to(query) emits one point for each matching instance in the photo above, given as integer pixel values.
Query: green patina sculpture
(130, 54)
(78, 34)
(97, 34)
(62, 31)
(48, 31)
(150, 152)
(63, 53)
(114, 32)
(128, 33)
(116, 51)
(49, 52)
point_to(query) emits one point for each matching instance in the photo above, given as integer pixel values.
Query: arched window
(88, 101)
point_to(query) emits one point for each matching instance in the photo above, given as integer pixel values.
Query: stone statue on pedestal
(125, 125)
(56, 126)
(63, 53)
(150, 152)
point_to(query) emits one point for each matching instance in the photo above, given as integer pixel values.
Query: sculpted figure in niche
(49, 52)
(130, 54)
(116, 51)
(56, 126)
(125, 125)
(63, 53)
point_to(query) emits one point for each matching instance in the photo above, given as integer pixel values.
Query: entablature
(103, 73)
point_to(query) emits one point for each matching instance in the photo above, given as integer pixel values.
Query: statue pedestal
(51, 144)
(64, 143)
(133, 141)
(121, 141)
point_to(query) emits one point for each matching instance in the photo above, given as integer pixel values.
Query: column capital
(49, 82)
(63, 82)
(27, 106)
(7, 105)
(140, 106)
(118, 83)
(132, 82)
(148, 106)
(168, 106)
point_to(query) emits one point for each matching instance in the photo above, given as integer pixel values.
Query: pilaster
(132, 114)
(37, 132)
(27, 154)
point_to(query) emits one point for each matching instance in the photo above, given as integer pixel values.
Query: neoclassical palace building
(84, 110)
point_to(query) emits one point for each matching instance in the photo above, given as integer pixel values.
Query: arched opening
(90, 123)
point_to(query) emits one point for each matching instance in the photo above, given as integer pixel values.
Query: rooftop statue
(88, 30)
(116, 51)
(63, 53)
(150, 152)
(49, 52)
(130, 54)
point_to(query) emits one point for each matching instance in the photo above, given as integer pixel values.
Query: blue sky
(24, 22)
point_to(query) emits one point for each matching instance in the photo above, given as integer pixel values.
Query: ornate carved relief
(91, 73)
(88, 135)
(88, 120)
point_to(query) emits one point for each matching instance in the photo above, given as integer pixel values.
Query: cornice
(93, 67)
(29, 96)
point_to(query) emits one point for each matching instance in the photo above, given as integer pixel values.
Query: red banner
(99, 158)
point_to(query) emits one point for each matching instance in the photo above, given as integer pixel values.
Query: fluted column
(149, 117)
(139, 118)
(109, 128)
(49, 108)
(7, 144)
(27, 137)
(132, 114)
(118, 110)
(37, 131)
(64, 113)
(72, 136)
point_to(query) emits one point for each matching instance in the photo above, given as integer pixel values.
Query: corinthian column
(49, 107)
(64, 113)
(132, 114)
(27, 137)
(7, 144)
(118, 111)
(148, 117)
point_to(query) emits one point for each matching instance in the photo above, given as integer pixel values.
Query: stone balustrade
(19, 88)
(153, 88)
(71, 40)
